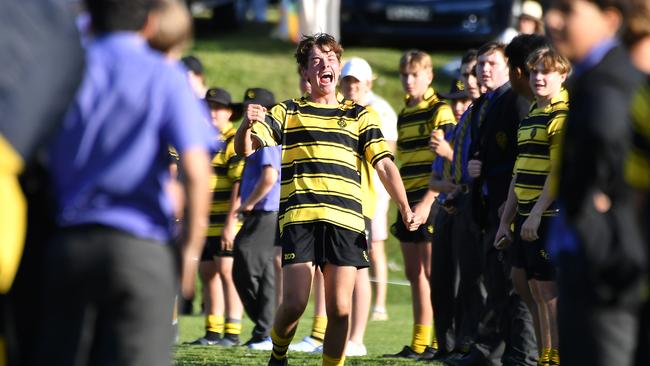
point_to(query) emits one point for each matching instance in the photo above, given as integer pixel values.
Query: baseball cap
(531, 9)
(357, 68)
(193, 64)
(218, 96)
(457, 91)
(260, 96)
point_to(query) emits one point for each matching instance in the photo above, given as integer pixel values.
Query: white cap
(357, 68)
(532, 9)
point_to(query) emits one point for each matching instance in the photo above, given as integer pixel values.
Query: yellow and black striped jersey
(637, 164)
(323, 149)
(227, 170)
(367, 182)
(538, 143)
(414, 127)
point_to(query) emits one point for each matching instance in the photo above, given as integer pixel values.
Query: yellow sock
(545, 357)
(280, 345)
(214, 323)
(554, 357)
(332, 361)
(318, 327)
(434, 337)
(421, 337)
(233, 326)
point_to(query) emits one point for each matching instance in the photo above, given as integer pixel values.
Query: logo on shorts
(365, 256)
(430, 229)
(289, 256)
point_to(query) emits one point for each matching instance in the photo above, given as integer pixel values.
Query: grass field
(250, 58)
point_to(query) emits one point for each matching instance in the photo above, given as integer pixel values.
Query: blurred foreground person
(25, 214)
(598, 247)
(110, 272)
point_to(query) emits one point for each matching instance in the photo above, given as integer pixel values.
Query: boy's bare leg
(380, 271)
(339, 285)
(360, 306)
(295, 295)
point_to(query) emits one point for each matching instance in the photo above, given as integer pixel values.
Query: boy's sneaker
(264, 345)
(203, 342)
(429, 354)
(355, 349)
(228, 341)
(406, 352)
(308, 344)
(318, 350)
(378, 315)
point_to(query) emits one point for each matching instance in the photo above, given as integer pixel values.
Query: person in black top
(596, 242)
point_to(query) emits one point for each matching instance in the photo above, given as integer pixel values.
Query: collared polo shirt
(255, 164)
(109, 161)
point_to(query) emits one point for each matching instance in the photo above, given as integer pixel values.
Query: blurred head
(467, 76)
(319, 62)
(220, 103)
(416, 72)
(576, 26)
(517, 51)
(356, 80)
(120, 15)
(530, 19)
(636, 34)
(492, 67)
(548, 71)
(458, 97)
(174, 30)
(195, 75)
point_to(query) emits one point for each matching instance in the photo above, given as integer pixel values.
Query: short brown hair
(323, 41)
(638, 23)
(550, 58)
(490, 47)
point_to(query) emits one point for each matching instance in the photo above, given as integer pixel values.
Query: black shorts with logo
(532, 256)
(212, 249)
(423, 234)
(321, 243)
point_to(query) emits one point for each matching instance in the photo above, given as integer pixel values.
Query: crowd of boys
(521, 198)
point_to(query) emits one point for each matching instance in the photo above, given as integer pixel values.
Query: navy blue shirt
(255, 163)
(109, 161)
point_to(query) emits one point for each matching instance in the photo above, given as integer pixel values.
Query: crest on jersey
(342, 123)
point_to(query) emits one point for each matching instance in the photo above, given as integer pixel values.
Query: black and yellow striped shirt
(414, 127)
(637, 164)
(227, 170)
(323, 149)
(538, 141)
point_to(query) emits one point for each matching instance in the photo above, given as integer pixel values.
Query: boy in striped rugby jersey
(530, 202)
(423, 113)
(324, 143)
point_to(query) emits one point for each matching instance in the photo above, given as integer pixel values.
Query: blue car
(428, 21)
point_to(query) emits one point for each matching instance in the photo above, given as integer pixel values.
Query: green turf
(249, 58)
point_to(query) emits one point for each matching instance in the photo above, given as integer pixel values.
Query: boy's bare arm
(196, 167)
(392, 181)
(244, 142)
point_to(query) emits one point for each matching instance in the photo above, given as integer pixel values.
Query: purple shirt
(255, 163)
(109, 161)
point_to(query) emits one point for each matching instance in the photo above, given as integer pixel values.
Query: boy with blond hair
(423, 113)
